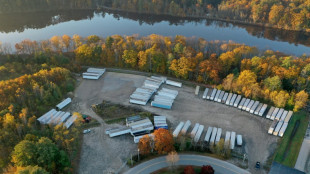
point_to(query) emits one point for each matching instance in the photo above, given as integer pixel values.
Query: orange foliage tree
(145, 145)
(163, 141)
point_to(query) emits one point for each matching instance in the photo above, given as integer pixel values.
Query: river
(43, 25)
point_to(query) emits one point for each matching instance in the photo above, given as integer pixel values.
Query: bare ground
(101, 154)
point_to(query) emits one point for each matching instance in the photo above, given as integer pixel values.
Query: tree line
(25, 145)
(268, 76)
(291, 15)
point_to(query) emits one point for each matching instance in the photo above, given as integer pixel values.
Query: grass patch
(293, 149)
(116, 113)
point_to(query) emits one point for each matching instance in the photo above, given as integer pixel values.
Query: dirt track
(101, 154)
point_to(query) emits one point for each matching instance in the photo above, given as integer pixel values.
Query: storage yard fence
(279, 116)
(138, 127)
(164, 97)
(212, 136)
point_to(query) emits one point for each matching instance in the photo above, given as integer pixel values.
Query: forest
(290, 15)
(38, 75)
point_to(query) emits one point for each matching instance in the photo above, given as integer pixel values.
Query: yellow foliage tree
(301, 99)
(279, 98)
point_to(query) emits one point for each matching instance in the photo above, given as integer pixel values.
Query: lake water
(44, 25)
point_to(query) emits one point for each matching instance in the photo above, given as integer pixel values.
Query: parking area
(101, 154)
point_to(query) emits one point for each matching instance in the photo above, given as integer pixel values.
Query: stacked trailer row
(218, 135)
(93, 73)
(255, 105)
(195, 129)
(232, 140)
(232, 100)
(119, 131)
(173, 83)
(279, 114)
(178, 129)
(274, 114)
(272, 127)
(283, 129)
(164, 98)
(63, 104)
(225, 97)
(70, 121)
(133, 119)
(185, 127)
(220, 98)
(238, 99)
(241, 104)
(160, 122)
(278, 127)
(198, 134)
(197, 90)
(246, 103)
(43, 118)
(208, 134)
(204, 96)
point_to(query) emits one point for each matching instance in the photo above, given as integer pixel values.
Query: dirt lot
(101, 154)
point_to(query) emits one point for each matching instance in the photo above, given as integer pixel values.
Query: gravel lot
(101, 154)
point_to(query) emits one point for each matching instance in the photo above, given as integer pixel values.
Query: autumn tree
(300, 100)
(31, 170)
(163, 141)
(207, 170)
(189, 170)
(145, 145)
(279, 98)
(172, 158)
(66, 41)
(245, 81)
(273, 83)
(56, 43)
(228, 82)
(130, 57)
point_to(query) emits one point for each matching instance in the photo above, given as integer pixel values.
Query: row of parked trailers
(93, 73)
(164, 98)
(143, 94)
(280, 119)
(56, 117)
(252, 106)
(213, 134)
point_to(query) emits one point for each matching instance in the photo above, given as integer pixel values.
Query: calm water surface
(42, 26)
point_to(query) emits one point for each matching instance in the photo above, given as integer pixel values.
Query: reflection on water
(43, 25)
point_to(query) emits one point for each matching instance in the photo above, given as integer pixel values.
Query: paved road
(220, 167)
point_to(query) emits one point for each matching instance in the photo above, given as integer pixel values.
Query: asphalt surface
(220, 167)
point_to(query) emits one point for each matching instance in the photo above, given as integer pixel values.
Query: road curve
(220, 167)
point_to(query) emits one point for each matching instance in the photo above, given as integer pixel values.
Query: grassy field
(293, 150)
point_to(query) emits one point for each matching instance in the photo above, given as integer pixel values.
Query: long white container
(246, 103)
(70, 121)
(197, 90)
(119, 131)
(285, 112)
(259, 107)
(273, 126)
(96, 70)
(164, 105)
(212, 139)
(225, 97)
(141, 125)
(136, 139)
(51, 119)
(204, 96)
(278, 127)
(229, 98)
(208, 134)
(232, 140)
(178, 129)
(254, 107)
(160, 117)
(279, 114)
(64, 103)
(288, 117)
(145, 120)
(237, 101)
(283, 129)
(91, 77)
(198, 134)
(64, 117)
(221, 96)
(194, 131)
(173, 83)
(263, 110)
(213, 94)
(218, 135)
(241, 103)
(47, 117)
(175, 92)
(209, 93)
(274, 114)
(163, 100)
(232, 100)
(185, 127)
(148, 127)
(217, 95)
(227, 138)
(239, 140)
(270, 112)
(47, 114)
(56, 120)
(248, 108)
(139, 102)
